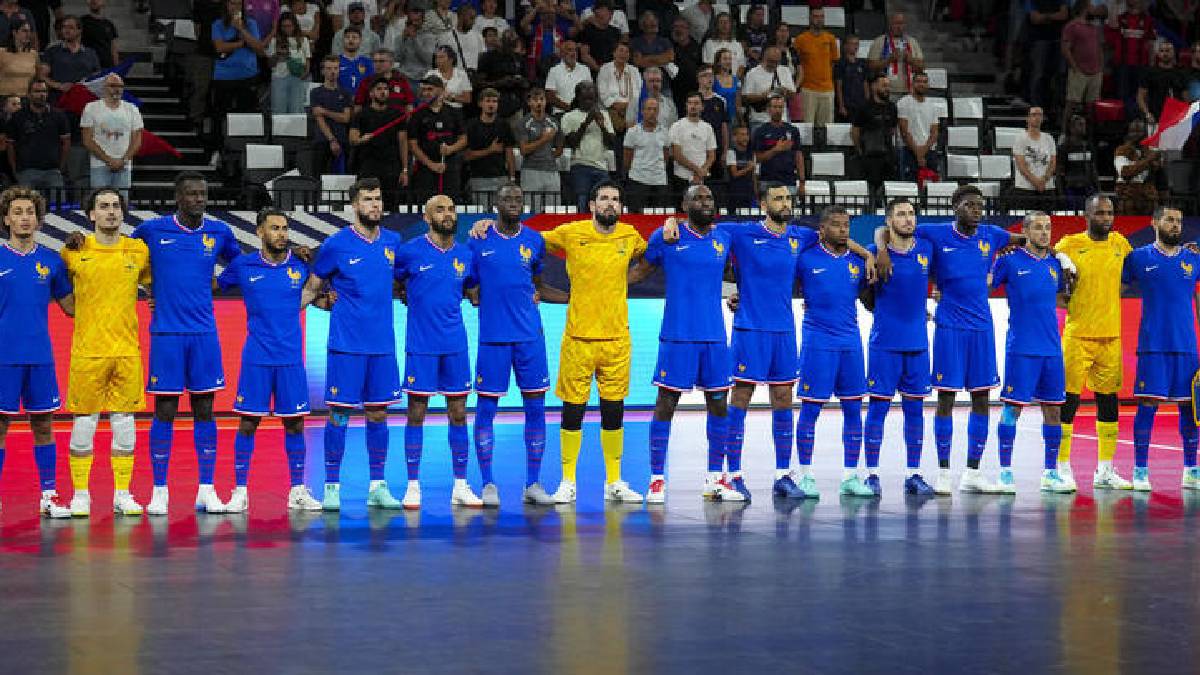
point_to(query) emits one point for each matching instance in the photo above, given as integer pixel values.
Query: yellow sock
(122, 466)
(81, 470)
(612, 442)
(1064, 448)
(1106, 433)
(570, 442)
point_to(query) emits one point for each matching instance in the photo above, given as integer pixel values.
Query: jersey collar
(1031, 255)
(1164, 253)
(500, 234)
(770, 232)
(360, 234)
(31, 251)
(185, 228)
(432, 243)
(831, 254)
(281, 263)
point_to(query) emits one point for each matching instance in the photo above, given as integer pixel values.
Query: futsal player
(898, 353)
(1166, 273)
(31, 276)
(1035, 283)
(434, 270)
(185, 352)
(358, 264)
(272, 377)
(106, 269)
(1092, 337)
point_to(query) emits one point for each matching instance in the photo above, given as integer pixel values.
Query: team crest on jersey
(1053, 274)
(1008, 389)
(153, 379)
(985, 248)
(241, 399)
(662, 373)
(411, 379)
(1186, 267)
(294, 275)
(333, 391)
(719, 248)
(854, 270)
(807, 387)
(741, 367)
(209, 243)
(939, 377)
(526, 253)
(460, 268)
(794, 243)
(42, 271)
(924, 261)
(870, 383)
(389, 254)
(479, 379)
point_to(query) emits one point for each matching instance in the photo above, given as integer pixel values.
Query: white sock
(460, 482)
(376, 483)
(714, 476)
(657, 476)
(1104, 465)
(414, 484)
(239, 488)
(780, 473)
(943, 472)
(120, 493)
(84, 493)
(806, 470)
(847, 474)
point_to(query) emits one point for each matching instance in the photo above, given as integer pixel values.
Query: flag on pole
(1175, 125)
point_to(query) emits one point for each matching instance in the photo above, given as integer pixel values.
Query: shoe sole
(412, 507)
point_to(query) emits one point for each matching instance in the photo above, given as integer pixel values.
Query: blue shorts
(258, 385)
(683, 366)
(889, 372)
(181, 362)
(1037, 379)
(826, 372)
(1165, 375)
(496, 360)
(964, 359)
(35, 387)
(445, 374)
(352, 380)
(762, 357)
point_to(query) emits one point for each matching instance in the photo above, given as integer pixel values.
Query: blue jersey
(504, 269)
(360, 272)
(695, 269)
(435, 280)
(1032, 285)
(182, 263)
(28, 282)
(764, 264)
(272, 295)
(831, 284)
(1168, 285)
(961, 265)
(900, 314)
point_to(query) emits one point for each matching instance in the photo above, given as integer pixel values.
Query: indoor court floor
(1087, 583)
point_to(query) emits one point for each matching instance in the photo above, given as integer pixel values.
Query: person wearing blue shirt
(1034, 282)
(353, 67)
(237, 40)
(185, 352)
(31, 276)
(1166, 274)
(272, 281)
(357, 264)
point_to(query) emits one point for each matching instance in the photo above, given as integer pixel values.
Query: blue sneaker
(786, 487)
(915, 485)
(739, 484)
(872, 482)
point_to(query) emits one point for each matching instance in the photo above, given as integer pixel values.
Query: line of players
(359, 265)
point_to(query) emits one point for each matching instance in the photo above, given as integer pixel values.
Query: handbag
(296, 68)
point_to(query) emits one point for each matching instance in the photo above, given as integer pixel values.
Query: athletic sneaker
(1141, 479)
(785, 486)
(619, 491)
(973, 481)
(721, 491)
(333, 497)
(412, 496)
(536, 494)
(1107, 478)
(808, 485)
(944, 485)
(125, 505)
(915, 485)
(463, 495)
(872, 482)
(854, 487)
(300, 499)
(1191, 478)
(380, 497)
(158, 501)
(239, 501)
(490, 496)
(81, 505)
(657, 494)
(1007, 485)
(1052, 481)
(565, 494)
(738, 484)
(1067, 476)
(208, 501)
(52, 506)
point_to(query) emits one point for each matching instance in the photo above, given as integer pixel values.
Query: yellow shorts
(1094, 362)
(106, 384)
(579, 360)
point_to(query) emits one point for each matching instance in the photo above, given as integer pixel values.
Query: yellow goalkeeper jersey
(1095, 307)
(106, 282)
(597, 265)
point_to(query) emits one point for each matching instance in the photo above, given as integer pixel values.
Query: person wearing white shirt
(619, 20)
(458, 84)
(489, 19)
(763, 79)
(699, 17)
(464, 39)
(619, 83)
(339, 11)
(112, 135)
(723, 38)
(693, 146)
(562, 78)
(1035, 156)
(653, 88)
(917, 121)
(440, 19)
(647, 146)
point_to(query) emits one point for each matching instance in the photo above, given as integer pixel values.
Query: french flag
(82, 93)
(1175, 125)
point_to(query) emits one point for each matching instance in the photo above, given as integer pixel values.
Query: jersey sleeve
(1062, 278)
(808, 237)
(400, 271)
(654, 249)
(639, 244)
(999, 237)
(230, 277)
(325, 263)
(145, 277)
(60, 283)
(999, 273)
(539, 253)
(555, 239)
(930, 232)
(1129, 269)
(141, 232)
(230, 249)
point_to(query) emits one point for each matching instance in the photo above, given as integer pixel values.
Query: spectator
(693, 147)
(1035, 157)
(41, 11)
(289, 52)
(664, 10)
(9, 106)
(817, 50)
(620, 85)
(715, 114)
(330, 107)
(649, 48)
(850, 81)
(687, 62)
(1137, 173)
(112, 135)
(400, 95)
(307, 14)
(898, 53)
(776, 146)
(99, 34)
(1084, 52)
(415, 48)
(339, 11)
(619, 20)
(1134, 51)
(766, 78)
(69, 61)
(545, 35)
(1046, 21)
(265, 13)
(598, 38)
(1178, 17)
(237, 40)
(464, 40)
(647, 145)
(354, 67)
(440, 19)
(653, 88)
(917, 117)
(39, 140)
(395, 19)
(541, 145)
(588, 131)
(781, 37)
(491, 39)
(874, 134)
(11, 14)
(722, 38)
(1159, 82)
(436, 139)
(727, 85)
(369, 39)
(18, 61)
(754, 34)
(564, 76)
(1077, 171)
(490, 19)
(380, 141)
(490, 144)
(458, 83)
(502, 69)
(699, 17)
(740, 163)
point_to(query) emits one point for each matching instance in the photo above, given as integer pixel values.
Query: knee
(124, 433)
(376, 415)
(202, 407)
(339, 417)
(572, 416)
(83, 430)
(612, 414)
(247, 426)
(165, 408)
(456, 410)
(1010, 415)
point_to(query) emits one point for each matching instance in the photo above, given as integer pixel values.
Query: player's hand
(872, 272)
(733, 301)
(480, 229)
(883, 265)
(670, 230)
(1007, 250)
(304, 253)
(74, 241)
(496, 146)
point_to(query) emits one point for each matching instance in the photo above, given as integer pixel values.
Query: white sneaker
(490, 496)
(1052, 481)
(619, 491)
(125, 505)
(464, 496)
(565, 494)
(720, 490)
(1007, 485)
(657, 494)
(208, 501)
(81, 505)
(1107, 478)
(944, 485)
(1067, 476)
(973, 481)
(536, 494)
(158, 502)
(1191, 478)
(412, 496)
(1141, 479)
(239, 501)
(300, 499)
(52, 507)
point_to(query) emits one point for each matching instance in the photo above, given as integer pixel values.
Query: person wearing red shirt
(400, 94)
(1134, 36)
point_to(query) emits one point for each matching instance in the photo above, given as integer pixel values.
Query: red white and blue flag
(1175, 125)
(82, 93)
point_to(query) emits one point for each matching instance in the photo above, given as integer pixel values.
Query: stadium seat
(967, 108)
(795, 16)
(937, 197)
(818, 192)
(864, 49)
(962, 166)
(869, 24)
(838, 135)
(295, 192)
(962, 138)
(893, 189)
(240, 130)
(1005, 138)
(990, 189)
(853, 194)
(828, 165)
(835, 18)
(263, 163)
(939, 80)
(291, 132)
(335, 189)
(995, 167)
(806, 133)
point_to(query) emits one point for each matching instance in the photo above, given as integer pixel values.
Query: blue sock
(485, 435)
(161, 436)
(204, 435)
(460, 448)
(717, 430)
(660, 435)
(977, 434)
(293, 444)
(335, 444)
(378, 439)
(806, 431)
(1006, 437)
(914, 430)
(414, 442)
(852, 434)
(734, 437)
(535, 438)
(1143, 424)
(1052, 435)
(943, 437)
(1188, 434)
(781, 432)
(45, 458)
(243, 448)
(877, 410)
